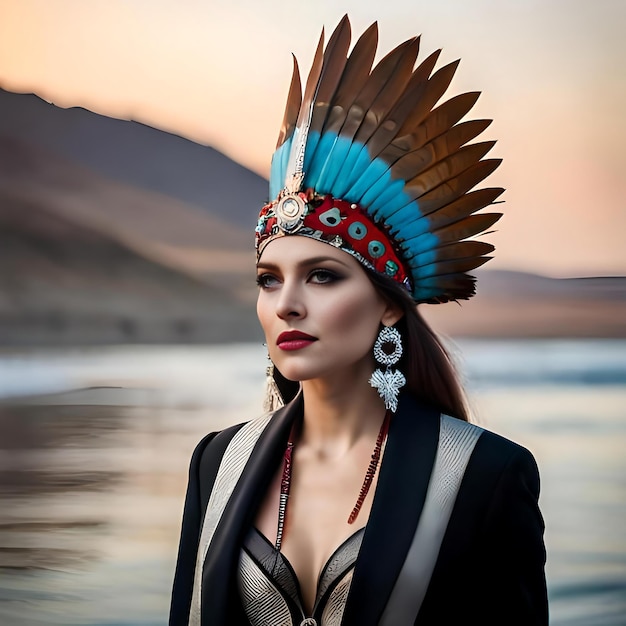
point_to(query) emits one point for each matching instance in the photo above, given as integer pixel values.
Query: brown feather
(464, 250)
(300, 132)
(311, 85)
(463, 206)
(294, 99)
(355, 74)
(417, 85)
(467, 227)
(424, 69)
(437, 150)
(378, 80)
(447, 268)
(404, 106)
(443, 117)
(456, 187)
(392, 91)
(454, 287)
(335, 58)
(448, 169)
(435, 123)
(433, 90)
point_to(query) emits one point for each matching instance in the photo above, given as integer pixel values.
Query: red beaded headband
(342, 224)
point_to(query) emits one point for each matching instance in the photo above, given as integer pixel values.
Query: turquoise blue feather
(326, 162)
(415, 235)
(279, 168)
(314, 139)
(390, 202)
(361, 186)
(313, 164)
(379, 187)
(403, 213)
(347, 170)
(419, 259)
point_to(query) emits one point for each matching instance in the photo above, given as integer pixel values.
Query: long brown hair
(430, 373)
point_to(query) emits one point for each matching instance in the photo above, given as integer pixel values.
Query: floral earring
(387, 352)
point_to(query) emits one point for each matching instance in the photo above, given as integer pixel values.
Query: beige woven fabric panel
(234, 460)
(456, 444)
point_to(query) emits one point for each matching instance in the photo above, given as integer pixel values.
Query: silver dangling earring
(273, 398)
(388, 382)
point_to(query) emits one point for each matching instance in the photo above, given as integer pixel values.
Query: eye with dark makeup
(266, 281)
(318, 276)
(323, 276)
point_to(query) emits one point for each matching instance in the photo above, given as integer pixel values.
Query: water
(95, 443)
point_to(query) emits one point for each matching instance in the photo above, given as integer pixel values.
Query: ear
(392, 314)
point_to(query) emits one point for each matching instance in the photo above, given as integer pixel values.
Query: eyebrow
(303, 263)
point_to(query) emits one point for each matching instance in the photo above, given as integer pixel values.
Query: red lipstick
(294, 340)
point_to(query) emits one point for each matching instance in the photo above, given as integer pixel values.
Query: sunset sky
(551, 72)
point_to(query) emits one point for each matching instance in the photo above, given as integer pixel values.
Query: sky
(551, 73)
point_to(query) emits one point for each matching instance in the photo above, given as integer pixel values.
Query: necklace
(285, 482)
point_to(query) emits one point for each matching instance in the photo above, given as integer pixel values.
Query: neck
(337, 415)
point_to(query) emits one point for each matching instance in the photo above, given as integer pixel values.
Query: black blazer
(490, 568)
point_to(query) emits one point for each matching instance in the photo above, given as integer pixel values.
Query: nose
(290, 302)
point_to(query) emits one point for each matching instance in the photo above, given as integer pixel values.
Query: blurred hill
(518, 304)
(133, 153)
(163, 228)
(113, 231)
(61, 283)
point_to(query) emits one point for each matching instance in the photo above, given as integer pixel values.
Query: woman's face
(318, 309)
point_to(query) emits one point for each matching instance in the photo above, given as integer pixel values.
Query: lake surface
(95, 444)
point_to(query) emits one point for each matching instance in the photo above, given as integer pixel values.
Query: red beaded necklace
(285, 482)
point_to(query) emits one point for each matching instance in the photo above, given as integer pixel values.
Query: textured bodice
(270, 591)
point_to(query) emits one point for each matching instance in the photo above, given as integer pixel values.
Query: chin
(299, 369)
(301, 372)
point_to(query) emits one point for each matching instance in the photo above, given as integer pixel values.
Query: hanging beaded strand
(285, 485)
(285, 482)
(371, 470)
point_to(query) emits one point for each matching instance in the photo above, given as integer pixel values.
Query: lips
(294, 340)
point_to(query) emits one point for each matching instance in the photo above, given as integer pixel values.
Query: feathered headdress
(367, 162)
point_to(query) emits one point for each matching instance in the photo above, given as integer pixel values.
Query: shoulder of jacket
(217, 442)
(447, 421)
(507, 455)
(491, 445)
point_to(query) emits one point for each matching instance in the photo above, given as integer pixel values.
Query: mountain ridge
(135, 153)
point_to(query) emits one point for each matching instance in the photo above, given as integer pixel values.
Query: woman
(368, 498)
